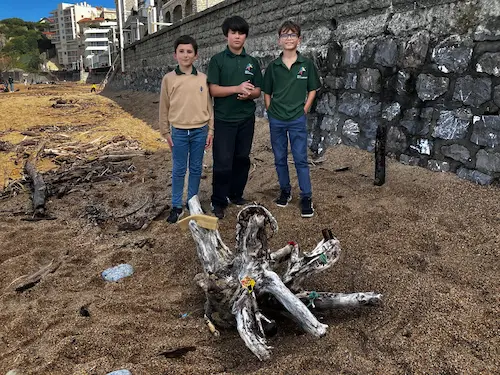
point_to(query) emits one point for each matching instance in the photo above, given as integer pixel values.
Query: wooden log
(211, 250)
(236, 283)
(328, 301)
(39, 189)
(300, 267)
(380, 150)
(28, 281)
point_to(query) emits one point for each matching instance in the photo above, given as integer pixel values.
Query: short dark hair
(186, 39)
(235, 23)
(289, 25)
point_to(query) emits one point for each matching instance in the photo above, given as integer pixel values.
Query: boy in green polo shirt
(234, 79)
(290, 85)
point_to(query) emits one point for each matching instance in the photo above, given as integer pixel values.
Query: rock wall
(431, 67)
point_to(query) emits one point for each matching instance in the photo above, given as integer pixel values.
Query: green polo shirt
(228, 69)
(289, 87)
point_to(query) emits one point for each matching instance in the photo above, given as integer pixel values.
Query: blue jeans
(296, 130)
(11, 87)
(189, 147)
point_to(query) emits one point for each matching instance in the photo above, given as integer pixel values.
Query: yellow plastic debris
(204, 221)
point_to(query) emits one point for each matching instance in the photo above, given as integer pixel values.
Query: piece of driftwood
(241, 286)
(39, 190)
(380, 150)
(28, 281)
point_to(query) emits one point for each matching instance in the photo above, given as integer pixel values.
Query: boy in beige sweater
(186, 121)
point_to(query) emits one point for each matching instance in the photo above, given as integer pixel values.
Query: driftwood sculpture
(242, 287)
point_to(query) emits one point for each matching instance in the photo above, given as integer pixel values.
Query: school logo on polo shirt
(249, 69)
(302, 73)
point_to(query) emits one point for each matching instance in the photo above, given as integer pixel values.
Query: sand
(428, 241)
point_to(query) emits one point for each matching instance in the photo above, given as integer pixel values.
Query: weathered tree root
(235, 283)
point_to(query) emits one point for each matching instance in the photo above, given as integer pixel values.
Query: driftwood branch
(28, 281)
(239, 286)
(329, 301)
(39, 189)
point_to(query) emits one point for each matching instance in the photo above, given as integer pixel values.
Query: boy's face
(289, 39)
(235, 39)
(185, 55)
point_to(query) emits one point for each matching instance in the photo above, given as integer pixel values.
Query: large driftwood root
(239, 286)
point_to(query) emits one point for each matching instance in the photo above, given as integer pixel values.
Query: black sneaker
(306, 207)
(283, 199)
(175, 214)
(238, 201)
(218, 211)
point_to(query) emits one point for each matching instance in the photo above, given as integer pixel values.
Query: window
(189, 7)
(168, 17)
(177, 13)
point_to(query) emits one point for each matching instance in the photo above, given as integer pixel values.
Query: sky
(33, 10)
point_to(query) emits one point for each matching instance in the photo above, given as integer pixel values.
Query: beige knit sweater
(185, 102)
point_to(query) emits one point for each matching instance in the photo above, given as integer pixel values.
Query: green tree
(24, 42)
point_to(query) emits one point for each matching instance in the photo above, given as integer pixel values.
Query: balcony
(96, 48)
(96, 40)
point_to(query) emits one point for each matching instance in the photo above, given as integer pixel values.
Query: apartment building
(67, 32)
(100, 41)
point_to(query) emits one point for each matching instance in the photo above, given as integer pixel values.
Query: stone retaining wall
(433, 67)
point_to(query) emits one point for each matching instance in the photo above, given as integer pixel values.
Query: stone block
(352, 53)
(396, 140)
(392, 111)
(474, 176)
(488, 162)
(496, 95)
(369, 107)
(430, 87)
(369, 127)
(334, 82)
(409, 160)
(370, 80)
(351, 81)
(453, 124)
(457, 152)
(330, 123)
(486, 131)
(472, 91)
(349, 103)
(488, 31)
(326, 104)
(489, 63)
(386, 52)
(350, 131)
(438, 165)
(453, 55)
(415, 51)
(422, 146)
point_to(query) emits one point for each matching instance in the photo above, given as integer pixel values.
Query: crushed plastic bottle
(120, 372)
(118, 272)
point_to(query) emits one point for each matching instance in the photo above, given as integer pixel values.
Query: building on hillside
(49, 32)
(67, 32)
(99, 41)
(108, 13)
(175, 10)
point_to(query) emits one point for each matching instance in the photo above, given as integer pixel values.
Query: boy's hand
(243, 96)
(169, 141)
(208, 143)
(245, 88)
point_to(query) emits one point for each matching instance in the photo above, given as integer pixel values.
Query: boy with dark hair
(186, 121)
(287, 82)
(234, 79)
